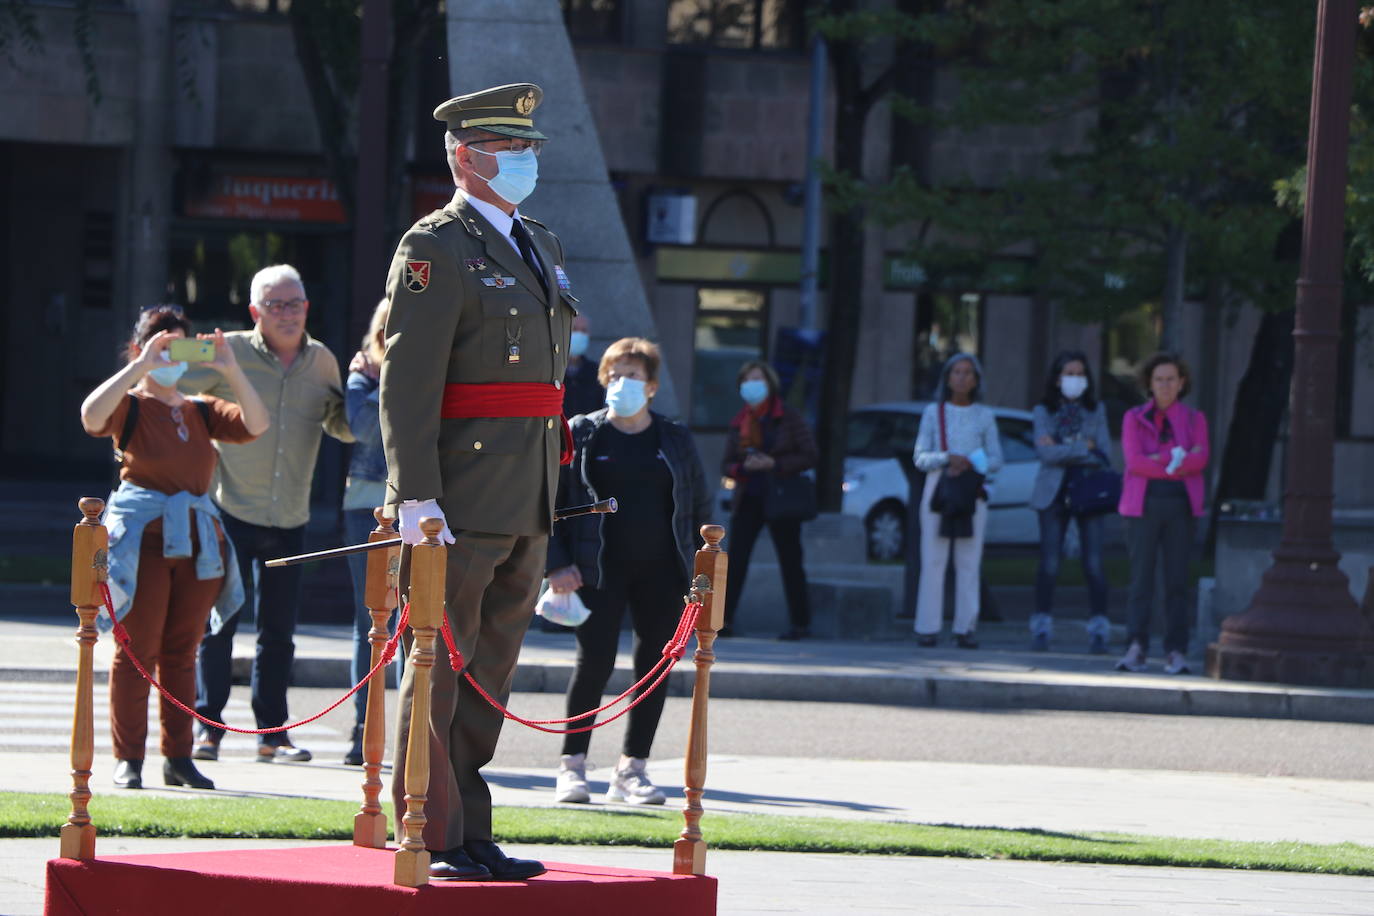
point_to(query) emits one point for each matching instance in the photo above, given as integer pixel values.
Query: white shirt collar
(493, 214)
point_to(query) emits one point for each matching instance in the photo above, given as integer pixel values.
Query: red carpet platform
(337, 880)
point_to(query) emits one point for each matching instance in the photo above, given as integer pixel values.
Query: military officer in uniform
(472, 426)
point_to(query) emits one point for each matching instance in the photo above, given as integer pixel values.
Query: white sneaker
(572, 780)
(1133, 660)
(1176, 664)
(632, 785)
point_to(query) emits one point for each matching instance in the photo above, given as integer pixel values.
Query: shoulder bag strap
(944, 442)
(130, 422)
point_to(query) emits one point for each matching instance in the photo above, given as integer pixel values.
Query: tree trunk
(336, 137)
(1260, 402)
(845, 290)
(1175, 277)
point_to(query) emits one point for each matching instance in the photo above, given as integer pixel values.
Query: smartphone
(184, 349)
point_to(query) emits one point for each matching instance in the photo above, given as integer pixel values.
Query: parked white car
(875, 487)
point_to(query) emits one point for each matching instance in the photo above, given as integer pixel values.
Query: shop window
(946, 323)
(730, 327)
(747, 25)
(593, 20)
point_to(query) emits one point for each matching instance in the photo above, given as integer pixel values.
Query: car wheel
(886, 530)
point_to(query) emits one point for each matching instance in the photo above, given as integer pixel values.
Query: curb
(989, 690)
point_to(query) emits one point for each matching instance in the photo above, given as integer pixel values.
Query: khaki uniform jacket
(465, 308)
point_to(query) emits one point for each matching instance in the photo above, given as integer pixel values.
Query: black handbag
(791, 498)
(1093, 490)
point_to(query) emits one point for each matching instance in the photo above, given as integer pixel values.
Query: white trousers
(968, 562)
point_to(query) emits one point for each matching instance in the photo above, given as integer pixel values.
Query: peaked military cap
(500, 110)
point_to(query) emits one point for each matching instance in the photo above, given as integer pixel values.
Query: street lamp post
(1303, 626)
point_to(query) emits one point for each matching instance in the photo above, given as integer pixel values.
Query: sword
(604, 506)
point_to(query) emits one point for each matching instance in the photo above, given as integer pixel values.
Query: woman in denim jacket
(170, 566)
(364, 491)
(1071, 436)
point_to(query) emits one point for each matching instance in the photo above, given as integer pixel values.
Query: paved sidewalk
(37, 623)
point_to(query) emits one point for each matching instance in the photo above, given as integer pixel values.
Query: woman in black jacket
(640, 557)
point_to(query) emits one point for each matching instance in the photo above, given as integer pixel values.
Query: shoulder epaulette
(531, 219)
(436, 219)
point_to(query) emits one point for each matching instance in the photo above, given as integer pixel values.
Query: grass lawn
(29, 815)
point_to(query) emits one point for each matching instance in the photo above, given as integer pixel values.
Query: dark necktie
(526, 245)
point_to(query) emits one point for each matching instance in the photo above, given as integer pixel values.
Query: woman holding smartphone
(169, 561)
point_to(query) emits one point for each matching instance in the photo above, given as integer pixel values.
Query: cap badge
(417, 276)
(525, 103)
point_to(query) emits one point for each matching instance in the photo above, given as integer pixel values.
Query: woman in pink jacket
(1165, 446)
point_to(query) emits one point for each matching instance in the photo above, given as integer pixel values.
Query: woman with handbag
(767, 449)
(1165, 444)
(1071, 438)
(641, 557)
(958, 438)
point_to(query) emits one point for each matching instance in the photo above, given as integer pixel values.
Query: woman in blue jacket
(1071, 437)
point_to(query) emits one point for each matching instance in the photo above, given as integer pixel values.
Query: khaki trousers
(493, 580)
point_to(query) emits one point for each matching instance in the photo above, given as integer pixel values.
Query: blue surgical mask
(754, 391)
(516, 173)
(625, 397)
(168, 375)
(1073, 386)
(577, 344)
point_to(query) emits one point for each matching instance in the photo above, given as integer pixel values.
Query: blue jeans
(358, 524)
(273, 598)
(1054, 524)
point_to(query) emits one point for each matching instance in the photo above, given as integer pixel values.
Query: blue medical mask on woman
(168, 375)
(625, 397)
(754, 391)
(516, 173)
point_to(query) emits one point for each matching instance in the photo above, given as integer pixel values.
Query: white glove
(1176, 461)
(412, 510)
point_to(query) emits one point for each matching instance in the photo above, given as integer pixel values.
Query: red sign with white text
(297, 200)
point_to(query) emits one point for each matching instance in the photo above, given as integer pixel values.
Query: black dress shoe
(965, 641)
(354, 757)
(501, 866)
(926, 640)
(455, 865)
(128, 774)
(180, 771)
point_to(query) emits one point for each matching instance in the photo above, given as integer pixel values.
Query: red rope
(122, 637)
(673, 651)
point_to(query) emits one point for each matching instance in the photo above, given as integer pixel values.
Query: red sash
(508, 399)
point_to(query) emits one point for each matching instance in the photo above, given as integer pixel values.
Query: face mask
(754, 391)
(516, 174)
(1073, 385)
(168, 375)
(625, 397)
(577, 344)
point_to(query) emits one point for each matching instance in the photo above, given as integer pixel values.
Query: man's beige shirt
(267, 481)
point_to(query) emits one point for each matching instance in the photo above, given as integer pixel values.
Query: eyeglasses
(283, 306)
(513, 144)
(182, 432)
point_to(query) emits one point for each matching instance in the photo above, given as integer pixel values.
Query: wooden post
(379, 595)
(708, 587)
(90, 547)
(427, 576)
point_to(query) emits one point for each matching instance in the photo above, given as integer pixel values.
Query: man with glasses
(263, 491)
(472, 426)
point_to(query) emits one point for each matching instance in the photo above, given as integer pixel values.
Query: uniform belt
(508, 399)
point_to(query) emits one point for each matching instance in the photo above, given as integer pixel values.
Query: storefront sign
(284, 199)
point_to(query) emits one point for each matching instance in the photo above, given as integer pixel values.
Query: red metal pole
(1303, 626)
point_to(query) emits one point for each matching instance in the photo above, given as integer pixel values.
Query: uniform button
(550, 313)
(514, 310)
(555, 348)
(550, 424)
(558, 383)
(477, 446)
